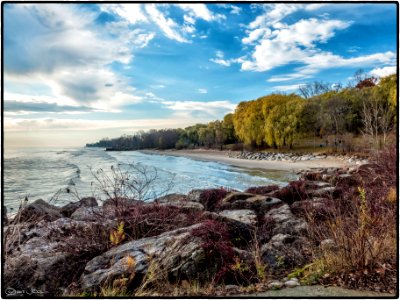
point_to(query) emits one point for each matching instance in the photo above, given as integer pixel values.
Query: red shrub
(210, 198)
(145, 220)
(217, 246)
(294, 191)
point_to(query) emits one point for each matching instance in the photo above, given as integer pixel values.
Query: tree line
(278, 120)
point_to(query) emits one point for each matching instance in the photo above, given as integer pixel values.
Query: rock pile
(291, 157)
(52, 249)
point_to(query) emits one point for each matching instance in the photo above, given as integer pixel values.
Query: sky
(75, 73)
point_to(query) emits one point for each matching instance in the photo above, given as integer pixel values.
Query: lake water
(58, 175)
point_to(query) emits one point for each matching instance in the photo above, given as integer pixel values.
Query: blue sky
(74, 73)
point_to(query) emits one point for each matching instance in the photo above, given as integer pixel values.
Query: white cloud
(222, 62)
(197, 10)
(235, 10)
(202, 91)
(287, 88)
(212, 109)
(382, 72)
(219, 54)
(255, 34)
(273, 15)
(353, 49)
(314, 6)
(326, 60)
(189, 19)
(132, 12)
(167, 25)
(285, 45)
(59, 47)
(276, 43)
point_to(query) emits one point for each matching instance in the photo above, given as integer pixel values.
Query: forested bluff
(367, 108)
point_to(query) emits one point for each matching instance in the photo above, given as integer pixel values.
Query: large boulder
(70, 208)
(209, 198)
(174, 254)
(245, 216)
(285, 222)
(36, 211)
(258, 203)
(285, 251)
(235, 196)
(48, 256)
(241, 231)
(93, 214)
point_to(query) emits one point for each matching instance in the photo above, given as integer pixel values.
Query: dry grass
(362, 227)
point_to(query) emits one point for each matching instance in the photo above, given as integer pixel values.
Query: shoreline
(222, 157)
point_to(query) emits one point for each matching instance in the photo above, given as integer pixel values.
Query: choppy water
(57, 174)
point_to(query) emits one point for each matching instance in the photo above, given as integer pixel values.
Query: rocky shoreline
(235, 239)
(291, 157)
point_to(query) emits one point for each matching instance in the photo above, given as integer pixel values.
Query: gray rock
(176, 252)
(245, 216)
(231, 288)
(323, 192)
(292, 283)
(41, 255)
(87, 213)
(195, 195)
(275, 285)
(171, 198)
(285, 251)
(183, 204)
(68, 210)
(235, 196)
(36, 211)
(285, 222)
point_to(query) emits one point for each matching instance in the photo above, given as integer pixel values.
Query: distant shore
(223, 157)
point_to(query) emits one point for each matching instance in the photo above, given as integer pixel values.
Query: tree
(313, 89)
(377, 117)
(334, 110)
(249, 122)
(229, 128)
(283, 122)
(310, 118)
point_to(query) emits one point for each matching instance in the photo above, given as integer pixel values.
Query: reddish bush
(217, 246)
(294, 191)
(312, 176)
(262, 190)
(211, 198)
(145, 220)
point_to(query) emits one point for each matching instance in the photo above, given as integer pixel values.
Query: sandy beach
(223, 157)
